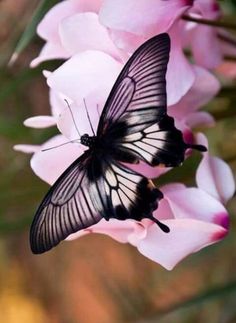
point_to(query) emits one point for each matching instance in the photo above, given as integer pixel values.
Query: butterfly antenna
(65, 143)
(72, 117)
(161, 225)
(91, 126)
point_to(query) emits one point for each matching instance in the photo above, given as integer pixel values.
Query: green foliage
(30, 29)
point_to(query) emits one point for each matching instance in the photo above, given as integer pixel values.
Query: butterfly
(133, 127)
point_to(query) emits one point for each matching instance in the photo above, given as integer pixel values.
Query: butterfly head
(87, 140)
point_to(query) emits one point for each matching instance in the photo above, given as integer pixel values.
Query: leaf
(30, 30)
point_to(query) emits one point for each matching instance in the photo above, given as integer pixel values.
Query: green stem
(213, 23)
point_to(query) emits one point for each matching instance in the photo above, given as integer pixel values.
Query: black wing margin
(66, 208)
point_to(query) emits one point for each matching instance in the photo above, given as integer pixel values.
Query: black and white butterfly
(133, 127)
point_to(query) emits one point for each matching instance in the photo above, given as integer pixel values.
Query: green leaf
(30, 29)
(9, 87)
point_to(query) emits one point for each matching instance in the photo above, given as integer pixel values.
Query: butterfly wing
(90, 189)
(66, 208)
(135, 112)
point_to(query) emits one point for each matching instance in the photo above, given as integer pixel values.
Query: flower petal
(58, 102)
(215, 177)
(180, 75)
(121, 231)
(194, 203)
(186, 236)
(204, 88)
(48, 27)
(206, 47)
(143, 17)
(27, 149)
(200, 119)
(88, 75)
(50, 51)
(49, 165)
(82, 121)
(147, 170)
(40, 122)
(73, 29)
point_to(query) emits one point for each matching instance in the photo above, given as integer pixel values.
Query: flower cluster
(96, 37)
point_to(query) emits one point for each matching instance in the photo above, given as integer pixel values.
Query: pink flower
(64, 28)
(144, 18)
(202, 39)
(193, 225)
(186, 111)
(65, 25)
(195, 215)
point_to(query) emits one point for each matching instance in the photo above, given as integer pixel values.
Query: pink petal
(143, 17)
(206, 47)
(194, 203)
(180, 75)
(164, 211)
(126, 41)
(73, 29)
(73, 128)
(204, 88)
(209, 9)
(202, 139)
(186, 236)
(40, 122)
(50, 51)
(169, 188)
(121, 231)
(147, 170)
(88, 75)
(77, 235)
(57, 102)
(200, 119)
(48, 27)
(27, 149)
(46, 73)
(50, 164)
(215, 177)
(227, 42)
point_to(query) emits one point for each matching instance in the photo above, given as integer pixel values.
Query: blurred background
(96, 279)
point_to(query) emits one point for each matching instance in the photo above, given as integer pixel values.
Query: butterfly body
(133, 127)
(88, 141)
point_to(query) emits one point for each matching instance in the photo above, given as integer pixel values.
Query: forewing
(141, 86)
(67, 208)
(134, 116)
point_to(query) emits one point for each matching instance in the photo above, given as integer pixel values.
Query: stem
(213, 23)
(230, 58)
(227, 38)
